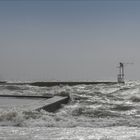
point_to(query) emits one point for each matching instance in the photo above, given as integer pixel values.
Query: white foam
(76, 133)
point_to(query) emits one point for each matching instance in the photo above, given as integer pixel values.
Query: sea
(95, 112)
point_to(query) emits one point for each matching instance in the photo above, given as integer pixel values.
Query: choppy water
(96, 112)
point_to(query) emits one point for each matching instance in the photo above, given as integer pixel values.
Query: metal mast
(121, 73)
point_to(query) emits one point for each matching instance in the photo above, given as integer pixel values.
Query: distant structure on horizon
(120, 77)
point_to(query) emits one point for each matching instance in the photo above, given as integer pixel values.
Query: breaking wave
(91, 105)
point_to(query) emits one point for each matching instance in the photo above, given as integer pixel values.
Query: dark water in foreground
(96, 112)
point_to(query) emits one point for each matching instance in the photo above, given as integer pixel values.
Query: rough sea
(95, 112)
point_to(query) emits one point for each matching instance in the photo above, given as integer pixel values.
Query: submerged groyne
(47, 103)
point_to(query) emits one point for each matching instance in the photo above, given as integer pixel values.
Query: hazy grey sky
(69, 40)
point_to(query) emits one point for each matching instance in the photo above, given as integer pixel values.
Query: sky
(69, 40)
